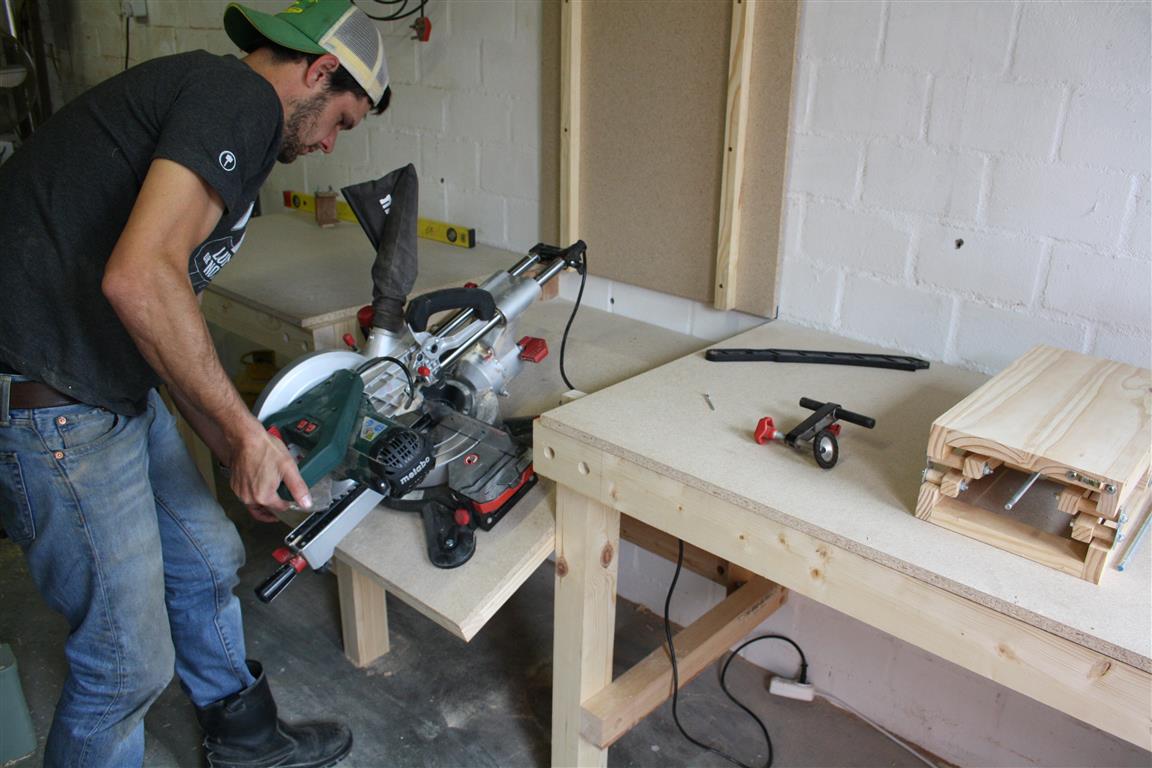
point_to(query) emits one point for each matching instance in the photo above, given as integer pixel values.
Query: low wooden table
(650, 449)
(294, 288)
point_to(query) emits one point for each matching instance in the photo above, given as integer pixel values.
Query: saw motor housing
(337, 434)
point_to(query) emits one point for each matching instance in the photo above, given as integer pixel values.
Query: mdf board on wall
(674, 133)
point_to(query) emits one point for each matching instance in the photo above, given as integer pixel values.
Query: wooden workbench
(651, 449)
(295, 287)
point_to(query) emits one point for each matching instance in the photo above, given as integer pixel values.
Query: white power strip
(791, 689)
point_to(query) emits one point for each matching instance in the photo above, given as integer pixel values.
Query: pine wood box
(1083, 424)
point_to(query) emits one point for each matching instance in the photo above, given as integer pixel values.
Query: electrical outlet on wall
(134, 9)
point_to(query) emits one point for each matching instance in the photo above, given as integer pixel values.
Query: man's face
(315, 121)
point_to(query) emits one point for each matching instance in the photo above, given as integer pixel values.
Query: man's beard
(303, 119)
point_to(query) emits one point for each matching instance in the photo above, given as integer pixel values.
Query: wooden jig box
(1080, 425)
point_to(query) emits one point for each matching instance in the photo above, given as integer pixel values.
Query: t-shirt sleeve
(225, 132)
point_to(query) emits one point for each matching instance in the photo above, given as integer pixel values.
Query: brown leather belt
(33, 394)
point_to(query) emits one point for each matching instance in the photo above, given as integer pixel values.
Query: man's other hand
(260, 465)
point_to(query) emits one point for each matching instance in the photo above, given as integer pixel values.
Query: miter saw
(412, 420)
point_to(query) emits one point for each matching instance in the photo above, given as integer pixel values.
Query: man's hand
(259, 466)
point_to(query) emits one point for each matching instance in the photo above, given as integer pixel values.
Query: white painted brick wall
(910, 177)
(925, 316)
(1021, 128)
(1016, 118)
(1098, 43)
(1098, 286)
(857, 240)
(825, 166)
(992, 266)
(997, 336)
(962, 38)
(1107, 129)
(1138, 241)
(843, 32)
(884, 102)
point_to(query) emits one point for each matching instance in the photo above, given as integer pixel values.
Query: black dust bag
(386, 209)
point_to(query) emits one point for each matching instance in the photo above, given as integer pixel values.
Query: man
(113, 218)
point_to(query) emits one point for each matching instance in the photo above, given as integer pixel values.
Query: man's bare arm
(146, 281)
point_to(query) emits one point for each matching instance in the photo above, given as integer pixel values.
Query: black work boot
(243, 731)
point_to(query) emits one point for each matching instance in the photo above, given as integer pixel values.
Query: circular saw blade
(300, 375)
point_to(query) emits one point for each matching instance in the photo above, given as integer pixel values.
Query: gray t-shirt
(66, 194)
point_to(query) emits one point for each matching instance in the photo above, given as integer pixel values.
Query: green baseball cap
(317, 26)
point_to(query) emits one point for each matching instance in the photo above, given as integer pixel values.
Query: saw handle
(421, 308)
(274, 584)
(290, 565)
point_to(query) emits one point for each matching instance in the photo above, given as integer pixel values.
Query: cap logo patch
(386, 203)
(227, 160)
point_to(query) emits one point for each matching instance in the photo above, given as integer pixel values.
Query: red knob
(463, 516)
(365, 316)
(533, 349)
(765, 430)
(350, 341)
(424, 371)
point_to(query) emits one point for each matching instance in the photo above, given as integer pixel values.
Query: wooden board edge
(571, 27)
(735, 140)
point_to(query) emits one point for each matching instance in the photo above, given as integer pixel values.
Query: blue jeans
(123, 538)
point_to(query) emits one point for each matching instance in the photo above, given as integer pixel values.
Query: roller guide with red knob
(822, 429)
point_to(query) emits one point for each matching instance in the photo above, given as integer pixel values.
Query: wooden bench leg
(587, 547)
(363, 614)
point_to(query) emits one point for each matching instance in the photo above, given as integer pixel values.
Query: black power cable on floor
(803, 678)
(582, 268)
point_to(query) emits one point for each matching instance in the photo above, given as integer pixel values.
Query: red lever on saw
(285, 556)
(765, 430)
(364, 318)
(533, 349)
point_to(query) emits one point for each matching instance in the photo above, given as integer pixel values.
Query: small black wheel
(825, 448)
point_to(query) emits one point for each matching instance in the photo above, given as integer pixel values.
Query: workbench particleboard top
(310, 276)
(661, 421)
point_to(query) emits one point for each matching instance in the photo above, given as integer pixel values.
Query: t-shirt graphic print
(211, 255)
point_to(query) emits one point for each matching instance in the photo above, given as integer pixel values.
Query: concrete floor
(436, 700)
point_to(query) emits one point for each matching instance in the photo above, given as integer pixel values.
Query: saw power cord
(803, 677)
(582, 268)
(399, 13)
